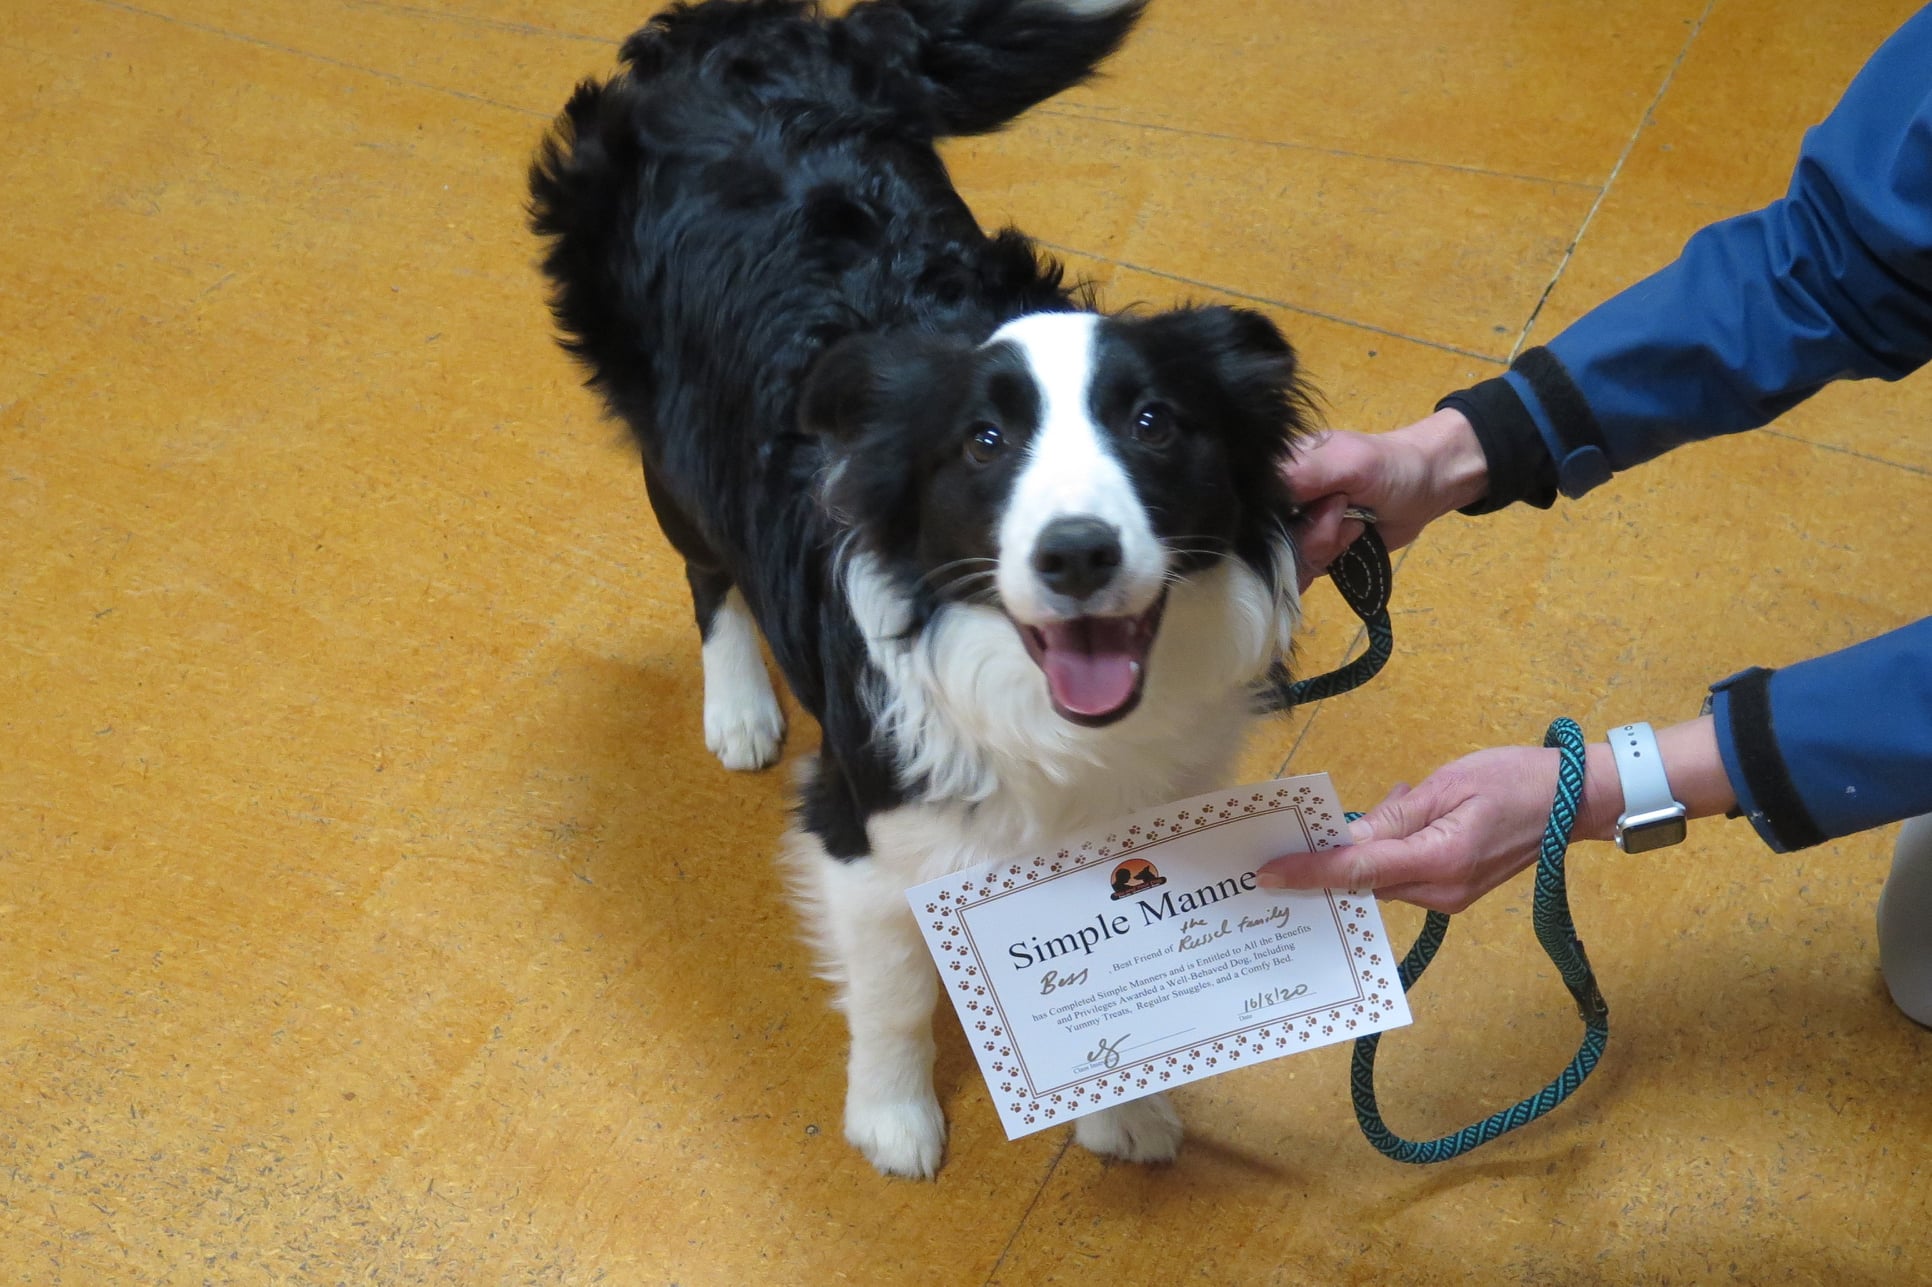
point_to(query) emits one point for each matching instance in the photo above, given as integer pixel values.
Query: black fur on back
(757, 183)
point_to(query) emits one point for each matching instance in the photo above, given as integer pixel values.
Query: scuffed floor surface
(370, 908)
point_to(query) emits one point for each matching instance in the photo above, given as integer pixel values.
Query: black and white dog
(1024, 562)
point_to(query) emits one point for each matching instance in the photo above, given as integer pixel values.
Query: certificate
(1144, 956)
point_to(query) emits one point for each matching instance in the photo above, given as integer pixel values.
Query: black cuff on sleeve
(1582, 460)
(1520, 468)
(1762, 764)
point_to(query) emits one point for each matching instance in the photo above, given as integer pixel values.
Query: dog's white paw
(746, 731)
(1145, 1130)
(742, 723)
(899, 1137)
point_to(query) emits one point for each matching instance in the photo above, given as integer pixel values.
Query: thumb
(1388, 820)
(1326, 868)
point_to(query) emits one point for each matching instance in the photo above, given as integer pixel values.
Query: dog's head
(1068, 472)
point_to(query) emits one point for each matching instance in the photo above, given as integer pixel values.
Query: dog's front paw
(746, 732)
(899, 1138)
(1146, 1130)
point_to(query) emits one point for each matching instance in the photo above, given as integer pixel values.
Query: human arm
(1833, 745)
(1473, 824)
(1832, 281)
(1814, 751)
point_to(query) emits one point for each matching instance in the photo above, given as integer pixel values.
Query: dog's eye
(1154, 424)
(984, 443)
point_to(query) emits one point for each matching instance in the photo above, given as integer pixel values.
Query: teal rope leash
(1556, 931)
(1381, 645)
(1363, 576)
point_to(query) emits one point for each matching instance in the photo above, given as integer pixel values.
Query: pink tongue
(1091, 665)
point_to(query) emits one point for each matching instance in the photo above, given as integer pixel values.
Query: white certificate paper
(1144, 956)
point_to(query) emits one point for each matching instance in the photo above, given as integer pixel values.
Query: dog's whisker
(934, 573)
(962, 586)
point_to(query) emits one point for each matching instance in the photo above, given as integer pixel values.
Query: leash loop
(1363, 576)
(1556, 931)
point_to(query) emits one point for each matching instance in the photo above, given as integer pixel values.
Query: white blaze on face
(1071, 472)
(1091, 637)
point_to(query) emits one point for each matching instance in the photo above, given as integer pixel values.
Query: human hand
(1473, 824)
(1409, 477)
(1464, 830)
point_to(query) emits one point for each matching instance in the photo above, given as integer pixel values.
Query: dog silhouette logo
(1135, 876)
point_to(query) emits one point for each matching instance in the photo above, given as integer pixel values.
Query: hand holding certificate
(1144, 957)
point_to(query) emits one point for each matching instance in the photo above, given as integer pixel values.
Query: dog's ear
(868, 382)
(843, 389)
(856, 400)
(1240, 376)
(1252, 366)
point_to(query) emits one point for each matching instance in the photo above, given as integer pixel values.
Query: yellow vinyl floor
(370, 910)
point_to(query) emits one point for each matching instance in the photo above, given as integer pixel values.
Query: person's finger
(1322, 518)
(1400, 813)
(1327, 869)
(1356, 865)
(1371, 864)
(1351, 532)
(1457, 892)
(1335, 462)
(1416, 859)
(1317, 534)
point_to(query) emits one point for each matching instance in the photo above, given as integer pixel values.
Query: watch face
(1660, 833)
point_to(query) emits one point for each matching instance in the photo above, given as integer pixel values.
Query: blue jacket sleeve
(1833, 745)
(1833, 281)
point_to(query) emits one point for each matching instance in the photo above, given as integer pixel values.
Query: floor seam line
(1788, 436)
(1019, 1226)
(1264, 299)
(1603, 194)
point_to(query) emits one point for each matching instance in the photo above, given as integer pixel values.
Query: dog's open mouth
(1095, 667)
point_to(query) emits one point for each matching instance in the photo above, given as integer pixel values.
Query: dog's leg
(743, 725)
(888, 986)
(1146, 1130)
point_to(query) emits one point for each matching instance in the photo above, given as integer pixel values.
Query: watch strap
(1640, 769)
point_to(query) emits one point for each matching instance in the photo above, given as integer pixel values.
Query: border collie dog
(1024, 562)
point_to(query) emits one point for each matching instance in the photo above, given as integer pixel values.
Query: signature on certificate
(1108, 1056)
(1110, 1049)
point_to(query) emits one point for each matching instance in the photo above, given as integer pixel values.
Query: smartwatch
(1652, 817)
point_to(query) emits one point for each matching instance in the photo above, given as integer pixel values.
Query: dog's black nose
(1076, 556)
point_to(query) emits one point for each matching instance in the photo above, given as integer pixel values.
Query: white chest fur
(995, 771)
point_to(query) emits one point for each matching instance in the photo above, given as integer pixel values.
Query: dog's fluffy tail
(944, 67)
(973, 65)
